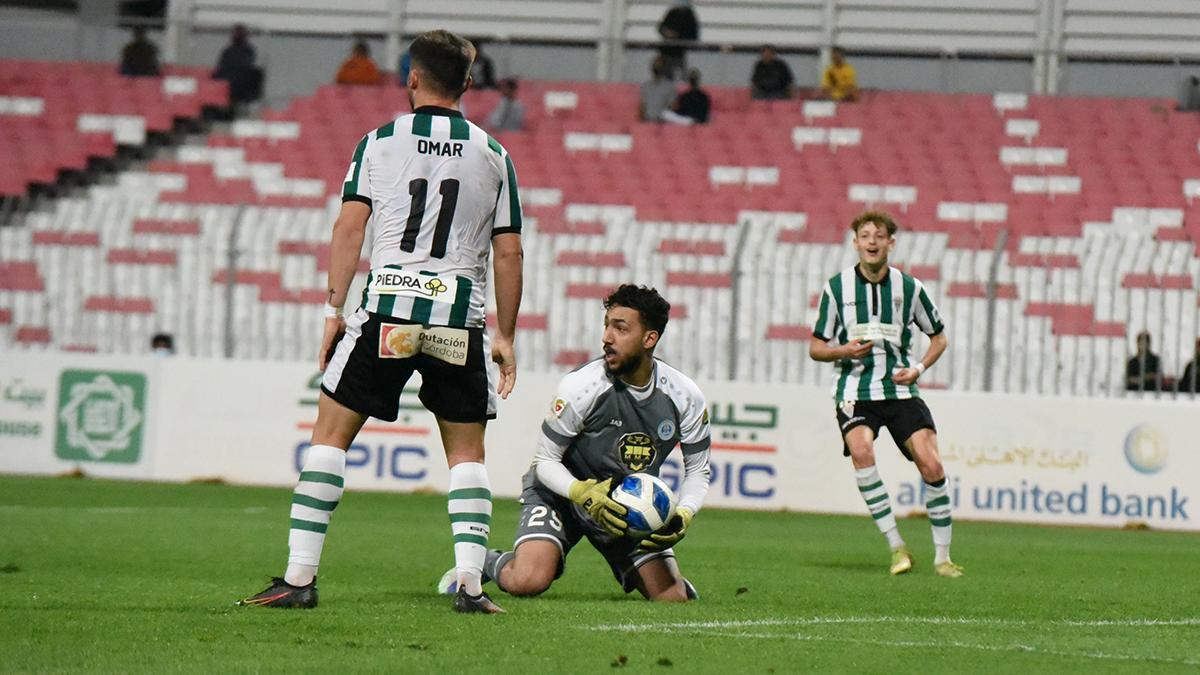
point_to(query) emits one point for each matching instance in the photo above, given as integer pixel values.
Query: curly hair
(879, 218)
(652, 309)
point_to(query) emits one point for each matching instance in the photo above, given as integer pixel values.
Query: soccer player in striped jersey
(443, 196)
(864, 327)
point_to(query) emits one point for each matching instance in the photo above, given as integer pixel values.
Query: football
(650, 502)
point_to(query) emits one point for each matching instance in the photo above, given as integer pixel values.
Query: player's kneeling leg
(659, 579)
(530, 569)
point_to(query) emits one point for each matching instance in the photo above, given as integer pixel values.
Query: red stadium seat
(102, 303)
(32, 335)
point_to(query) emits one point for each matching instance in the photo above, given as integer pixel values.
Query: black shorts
(548, 516)
(378, 354)
(902, 417)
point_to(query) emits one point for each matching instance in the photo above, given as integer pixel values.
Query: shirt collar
(862, 277)
(437, 110)
(641, 390)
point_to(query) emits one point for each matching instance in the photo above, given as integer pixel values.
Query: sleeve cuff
(506, 230)
(357, 198)
(693, 448)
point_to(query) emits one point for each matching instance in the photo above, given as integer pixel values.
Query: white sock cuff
(867, 475)
(468, 475)
(325, 458)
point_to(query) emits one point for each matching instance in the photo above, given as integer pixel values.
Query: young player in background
(442, 194)
(864, 326)
(620, 414)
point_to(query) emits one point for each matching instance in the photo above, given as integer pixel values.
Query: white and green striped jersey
(853, 308)
(439, 189)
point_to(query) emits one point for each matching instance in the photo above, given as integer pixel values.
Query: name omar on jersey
(440, 148)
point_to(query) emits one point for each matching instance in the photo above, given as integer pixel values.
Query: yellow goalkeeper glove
(592, 496)
(669, 534)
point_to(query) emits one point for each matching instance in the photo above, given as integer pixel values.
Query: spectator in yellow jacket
(840, 83)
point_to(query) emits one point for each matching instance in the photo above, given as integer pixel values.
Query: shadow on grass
(432, 599)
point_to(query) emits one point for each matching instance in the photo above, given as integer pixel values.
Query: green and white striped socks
(316, 496)
(937, 504)
(870, 486)
(470, 505)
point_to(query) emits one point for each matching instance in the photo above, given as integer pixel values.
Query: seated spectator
(162, 344)
(693, 105)
(359, 68)
(1142, 373)
(771, 79)
(840, 82)
(679, 23)
(509, 113)
(1189, 382)
(236, 66)
(140, 57)
(483, 72)
(657, 93)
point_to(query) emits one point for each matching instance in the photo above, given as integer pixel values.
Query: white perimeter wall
(1022, 459)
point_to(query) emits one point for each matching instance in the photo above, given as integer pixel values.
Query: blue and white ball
(649, 501)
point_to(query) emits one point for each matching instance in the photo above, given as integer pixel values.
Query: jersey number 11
(418, 188)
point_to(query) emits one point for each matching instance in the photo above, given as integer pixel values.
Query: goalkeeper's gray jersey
(611, 430)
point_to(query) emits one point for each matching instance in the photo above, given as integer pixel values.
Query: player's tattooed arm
(349, 230)
(346, 244)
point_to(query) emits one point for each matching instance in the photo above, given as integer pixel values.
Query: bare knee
(659, 580)
(676, 592)
(860, 441)
(526, 580)
(931, 470)
(862, 454)
(462, 441)
(528, 584)
(336, 425)
(924, 450)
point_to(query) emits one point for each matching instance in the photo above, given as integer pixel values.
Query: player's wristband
(332, 312)
(920, 368)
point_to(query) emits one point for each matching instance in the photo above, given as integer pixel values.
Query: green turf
(119, 577)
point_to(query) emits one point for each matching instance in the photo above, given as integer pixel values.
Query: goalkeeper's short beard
(626, 366)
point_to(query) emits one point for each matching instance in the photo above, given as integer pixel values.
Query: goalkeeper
(616, 415)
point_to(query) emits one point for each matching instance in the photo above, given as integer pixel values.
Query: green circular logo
(1146, 449)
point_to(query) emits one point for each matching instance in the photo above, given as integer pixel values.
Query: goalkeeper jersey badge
(637, 450)
(666, 429)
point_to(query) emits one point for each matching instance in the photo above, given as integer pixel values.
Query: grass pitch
(132, 577)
